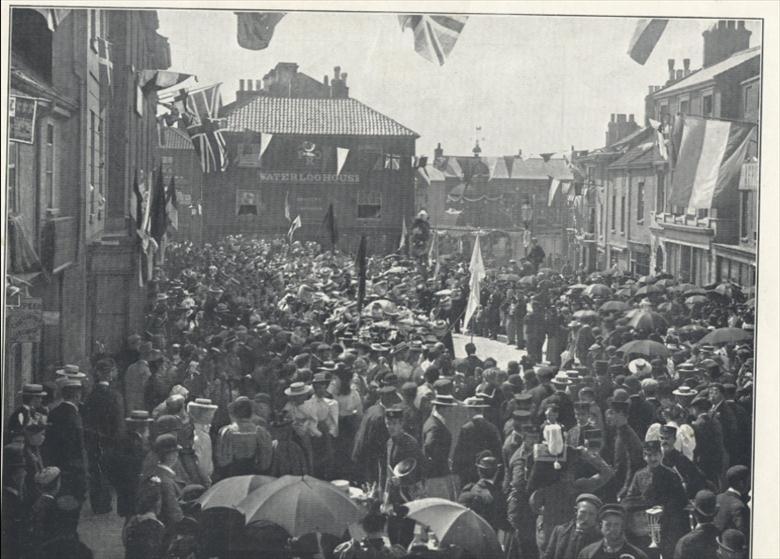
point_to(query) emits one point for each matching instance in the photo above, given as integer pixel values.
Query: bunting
(554, 186)
(646, 36)
(295, 224)
(341, 158)
(434, 35)
(265, 141)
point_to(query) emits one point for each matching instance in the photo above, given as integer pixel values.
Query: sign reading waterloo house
(295, 177)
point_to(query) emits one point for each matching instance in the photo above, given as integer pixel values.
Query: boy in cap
(166, 447)
(485, 495)
(613, 544)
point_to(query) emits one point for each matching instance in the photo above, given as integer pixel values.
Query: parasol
(647, 320)
(666, 282)
(614, 306)
(456, 525)
(229, 492)
(648, 290)
(302, 505)
(647, 348)
(670, 307)
(586, 314)
(646, 280)
(528, 280)
(696, 300)
(625, 292)
(726, 336)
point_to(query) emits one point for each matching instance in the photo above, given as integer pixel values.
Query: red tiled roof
(173, 138)
(299, 116)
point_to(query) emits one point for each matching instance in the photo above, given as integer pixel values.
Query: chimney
(258, 85)
(686, 66)
(520, 153)
(249, 85)
(723, 40)
(631, 118)
(344, 77)
(612, 117)
(670, 63)
(679, 73)
(338, 85)
(336, 72)
(241, 85)
(438, 152)
(650, 89)
(621, 118)
(325, 79)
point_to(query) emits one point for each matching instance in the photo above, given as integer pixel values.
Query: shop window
(247, 202)
(641, 264)
(369, 204)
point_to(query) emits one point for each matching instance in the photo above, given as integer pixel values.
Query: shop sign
(25, 322)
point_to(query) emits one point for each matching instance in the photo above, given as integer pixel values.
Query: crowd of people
(622, 432)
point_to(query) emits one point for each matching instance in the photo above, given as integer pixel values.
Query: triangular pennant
(341, 158)
(265, 141)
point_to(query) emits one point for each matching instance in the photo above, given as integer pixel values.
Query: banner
(22, 126)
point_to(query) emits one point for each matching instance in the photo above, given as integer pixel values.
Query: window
(49, 166)
(369, 204)
(247, 202)
(167, 167)
(707, 105)
(388, 161)
(640, 202)
(748, 92)
(614, 210)
(660, 193)
(101, 156)
(641, 264)
(13, 177)
(744, 206)
(663, 109)
(623, 214)
(684, 105)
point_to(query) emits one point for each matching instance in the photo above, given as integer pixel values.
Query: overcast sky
(536, 83)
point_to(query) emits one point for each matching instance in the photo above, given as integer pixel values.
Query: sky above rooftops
(536, 83)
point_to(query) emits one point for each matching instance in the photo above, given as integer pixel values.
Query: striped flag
(709, 160)
(205, 129)
(646, 36)
(434, 35)
(256, 29)
(295, 224)
(477, 269)
(156, 80)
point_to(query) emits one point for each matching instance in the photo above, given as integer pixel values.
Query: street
(498, 350)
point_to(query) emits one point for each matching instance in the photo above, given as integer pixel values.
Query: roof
(301, 116)
(709, 73)
(173, 138)
(538, 169)
(640, 155)
(507, 167)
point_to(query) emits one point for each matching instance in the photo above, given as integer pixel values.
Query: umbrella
(577, 287)
(682, 287)
(546, 271)
(670, 307)
(302, 505)
(696, 300)
(646, 279)
(647, 320)
(726, 335)
(586, 314)
(625, 292)
(457, 525)
(666, 282)
(648, 348)
(614, 306)
(229, 492)
(397, 270)
(596, 276)
(598, 290)
(649, 290)
(694, 291)
(750, 302)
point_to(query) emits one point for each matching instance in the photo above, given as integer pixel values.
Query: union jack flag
(205, 128)
(434, 35)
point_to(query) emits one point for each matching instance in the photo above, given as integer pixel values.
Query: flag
(287, 214)
(106, 68)
(53, 17)
(156, 80)
(295, 224)
(659, 138)
(172, 206)
(206, 129)
(341, 158)
(330, 225)
(554, 185)
(402, 244)
(360, 262)
(256, 29)
(477, 270)
(433, 254)
(265, 141)
(546, 156)
(434, 35)
(158, 216)
(646, 36)
(709, 161)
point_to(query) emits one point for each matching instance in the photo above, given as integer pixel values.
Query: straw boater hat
(298, 389)
(344, 486)
(444, 400)
(640, 366)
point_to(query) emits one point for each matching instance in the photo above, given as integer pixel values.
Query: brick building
(180, 161)
(685, 241)
(311, 127)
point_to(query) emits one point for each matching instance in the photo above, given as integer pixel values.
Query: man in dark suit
(567, 540)
(702, 542)
(484, 496)
(369, 452)
(64, 447)
(476, 435)
(436, 448)
(627, 451)
(401, 445)
(692, 478)
(613, 544)
(710, 454)
(544, 389)
(15, 529)
(728, 422)
(733, 511)
(166, 447)
(471, 361)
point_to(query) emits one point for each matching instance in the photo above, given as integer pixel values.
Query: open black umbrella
(614, 306)
(726, 335)
(648, 320)
(648, 348)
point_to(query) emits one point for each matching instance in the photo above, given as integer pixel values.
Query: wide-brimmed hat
(476, 402)
(202, 410)
(640, 366)
(320, 378)
(298, 389)
(684, 391)
(33, 390)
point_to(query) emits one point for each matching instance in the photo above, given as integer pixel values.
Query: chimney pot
(679, 74)
(241, 85)
(650, 88)
(621, 118)
(722, 24)
(336, 72)
(249, 85)
(612, 117)
(687, 65)
(731, 24)
(344, 77)
(325, 79)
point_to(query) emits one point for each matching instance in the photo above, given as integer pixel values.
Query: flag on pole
(709, 161)
(330, 226)
(287, 213)
(295, 224)
(172, 206)
(434, 35)
(256, 29)
(404, 233)
(360, 263)
(646, 36)
(159, 219)
(156, 80)
(477, 270)
(206, 128)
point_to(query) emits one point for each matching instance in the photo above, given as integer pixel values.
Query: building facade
(181, 162)
(321, 149)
